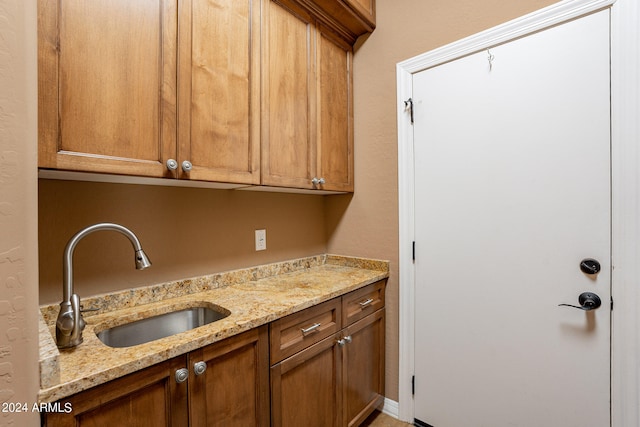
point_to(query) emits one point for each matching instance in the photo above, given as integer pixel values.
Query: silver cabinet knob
(172, 164)
(182, 375)
(187, 166)
(199, 368)
(317, 181)
(344, 340)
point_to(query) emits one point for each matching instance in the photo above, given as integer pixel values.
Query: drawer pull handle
(310, 329)
(363, 304)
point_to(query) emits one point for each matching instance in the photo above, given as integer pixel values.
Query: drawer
(361, 303)
(298, 331)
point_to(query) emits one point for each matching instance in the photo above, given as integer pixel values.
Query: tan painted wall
(186, 232)
(19, 377)
(367, 225)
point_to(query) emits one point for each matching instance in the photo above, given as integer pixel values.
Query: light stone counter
(254, 296)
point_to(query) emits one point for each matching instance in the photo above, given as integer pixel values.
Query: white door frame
(625, 158)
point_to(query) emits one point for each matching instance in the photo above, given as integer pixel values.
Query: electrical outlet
(261, 240)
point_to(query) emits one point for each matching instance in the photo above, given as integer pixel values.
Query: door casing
(625, 93)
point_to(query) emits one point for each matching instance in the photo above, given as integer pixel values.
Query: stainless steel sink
(160, 326)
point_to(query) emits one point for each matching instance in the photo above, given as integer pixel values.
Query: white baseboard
(390, 408)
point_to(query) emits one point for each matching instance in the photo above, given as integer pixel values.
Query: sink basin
(160, 326)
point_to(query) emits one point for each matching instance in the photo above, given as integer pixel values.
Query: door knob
(590, 266)
(587, 300)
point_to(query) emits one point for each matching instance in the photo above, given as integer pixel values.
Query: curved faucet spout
(70, 323)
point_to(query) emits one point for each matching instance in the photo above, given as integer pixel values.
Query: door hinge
(413, 385)
(409, 104)
(413, 250)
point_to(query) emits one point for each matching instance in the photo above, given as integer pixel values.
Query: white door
(512, 179)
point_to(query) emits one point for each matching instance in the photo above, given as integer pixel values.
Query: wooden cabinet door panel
(219, 79)
(305, 388)
(107, 84)
(234, 389)
(147, 398)
(288, 156)
(335, 113)
(363, 379)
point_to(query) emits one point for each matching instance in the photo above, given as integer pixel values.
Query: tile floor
(378, 419)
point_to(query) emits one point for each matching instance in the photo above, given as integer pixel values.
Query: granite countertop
(254, 296)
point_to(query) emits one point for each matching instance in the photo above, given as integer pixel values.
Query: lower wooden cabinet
(305, 388)
(150, 397)
(363, 362)
(337, 380)
(232, 390)
(325, 368)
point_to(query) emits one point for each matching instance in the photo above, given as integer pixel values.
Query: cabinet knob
(172, 164)
(344, 340)
(182, 375)
(199, 368)
(317, 181)
(187, 166)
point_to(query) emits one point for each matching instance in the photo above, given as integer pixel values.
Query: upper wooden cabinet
(335, 113)
(219, 90)
(307, 137)
(288, 35)
(208, 90)
(107, 85)
(356, 17)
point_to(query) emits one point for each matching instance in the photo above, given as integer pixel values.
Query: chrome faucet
(70, 323)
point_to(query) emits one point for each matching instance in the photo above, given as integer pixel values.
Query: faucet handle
(69, 324)
(78, 321)
(64, 324)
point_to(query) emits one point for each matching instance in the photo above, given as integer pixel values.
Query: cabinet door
(305, 388)
(335, 113)
(363, 378)
(151, 397)
(288, 143)
(219, 87)
(107, 85)
(234, 389)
